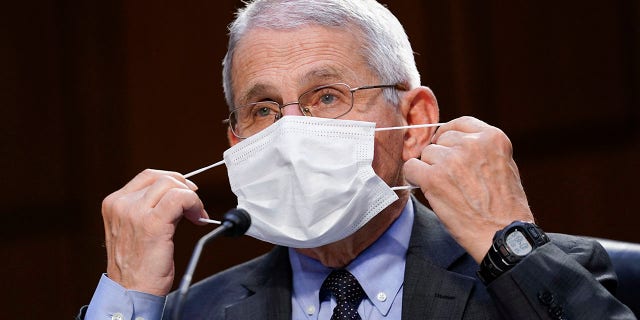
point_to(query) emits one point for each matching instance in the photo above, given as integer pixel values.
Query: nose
(291, 109)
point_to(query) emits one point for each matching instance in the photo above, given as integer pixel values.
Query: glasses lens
(329, 101)
(252, 118)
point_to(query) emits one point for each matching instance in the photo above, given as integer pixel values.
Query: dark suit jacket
(570, 277)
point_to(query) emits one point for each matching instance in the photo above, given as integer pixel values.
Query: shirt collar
(379, 269)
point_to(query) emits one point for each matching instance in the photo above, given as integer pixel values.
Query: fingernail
(191, 185)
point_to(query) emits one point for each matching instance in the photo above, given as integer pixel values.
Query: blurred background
(92, 92)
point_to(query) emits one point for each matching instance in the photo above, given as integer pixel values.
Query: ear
(418, 106)
(233, 140)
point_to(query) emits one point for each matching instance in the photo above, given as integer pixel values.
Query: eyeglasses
(327, 101)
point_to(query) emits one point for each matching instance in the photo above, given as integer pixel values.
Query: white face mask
(308, 181)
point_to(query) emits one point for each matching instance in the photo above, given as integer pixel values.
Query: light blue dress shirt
(112, 301)
(379, 269)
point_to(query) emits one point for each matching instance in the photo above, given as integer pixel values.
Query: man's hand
(471, 181)
(139, 221)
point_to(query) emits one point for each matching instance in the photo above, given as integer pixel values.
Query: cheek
(387, 158)
(383, 115)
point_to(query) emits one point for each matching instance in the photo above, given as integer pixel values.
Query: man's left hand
(471, 181)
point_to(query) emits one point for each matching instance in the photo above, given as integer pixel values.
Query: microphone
(234, 223)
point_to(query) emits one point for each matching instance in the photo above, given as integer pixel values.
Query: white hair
(386, 47)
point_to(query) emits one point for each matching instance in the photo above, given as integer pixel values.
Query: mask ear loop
(193, 173)
(404, 188)
(425, 125)
(221, 162)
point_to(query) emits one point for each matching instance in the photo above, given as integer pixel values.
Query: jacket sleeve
(568, 278)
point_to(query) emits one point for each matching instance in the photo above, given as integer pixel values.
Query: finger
(434, 154)
(417, 173)
(450, 138)
(178, 202)
(462, 124)
(160, 186)
(149, 176)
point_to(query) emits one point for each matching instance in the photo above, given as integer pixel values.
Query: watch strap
(499, 259)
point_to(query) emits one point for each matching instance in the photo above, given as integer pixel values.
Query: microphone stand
(235, 223)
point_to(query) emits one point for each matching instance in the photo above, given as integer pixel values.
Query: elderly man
(326, 107)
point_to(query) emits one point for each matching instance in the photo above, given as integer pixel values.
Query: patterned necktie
(348, 292)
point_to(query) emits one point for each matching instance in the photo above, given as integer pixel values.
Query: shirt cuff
(111, 301)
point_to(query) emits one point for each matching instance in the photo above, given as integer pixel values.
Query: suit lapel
(269, 288)
(431, 289)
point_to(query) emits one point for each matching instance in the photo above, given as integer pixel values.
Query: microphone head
(240, 221)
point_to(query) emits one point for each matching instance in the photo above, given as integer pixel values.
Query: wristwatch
(510, 245)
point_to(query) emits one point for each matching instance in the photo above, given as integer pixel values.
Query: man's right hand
(139, 221)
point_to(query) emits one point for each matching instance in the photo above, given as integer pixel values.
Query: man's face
(281, 65)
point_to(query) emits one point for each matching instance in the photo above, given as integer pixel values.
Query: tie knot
(344, 286)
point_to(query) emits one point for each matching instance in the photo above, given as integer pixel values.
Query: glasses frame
(303, 109)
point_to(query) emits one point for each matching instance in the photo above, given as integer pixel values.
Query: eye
(327, 101)
(262, 111)
(327, 98)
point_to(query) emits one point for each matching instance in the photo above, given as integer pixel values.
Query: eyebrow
(323, 74)
(315, 77)
(258, 89)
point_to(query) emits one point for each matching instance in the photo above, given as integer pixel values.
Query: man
(291, 68)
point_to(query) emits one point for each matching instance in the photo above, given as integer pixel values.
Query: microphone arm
(234, 223)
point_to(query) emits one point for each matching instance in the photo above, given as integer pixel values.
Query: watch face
(518, 244)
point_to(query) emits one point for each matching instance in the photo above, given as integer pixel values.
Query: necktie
(348, 292)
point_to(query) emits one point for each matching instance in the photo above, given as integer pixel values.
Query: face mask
(308, 181)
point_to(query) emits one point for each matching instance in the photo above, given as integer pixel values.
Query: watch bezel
(512, 256)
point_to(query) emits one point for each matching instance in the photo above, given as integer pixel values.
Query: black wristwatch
(510, 245)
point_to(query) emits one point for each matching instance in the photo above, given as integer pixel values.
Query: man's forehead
(268, 59)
